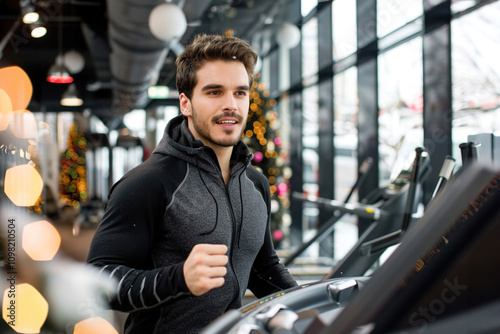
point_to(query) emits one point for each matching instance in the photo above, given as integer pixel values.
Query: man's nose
(229, 103)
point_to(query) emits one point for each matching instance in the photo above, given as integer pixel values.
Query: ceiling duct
(136, 55)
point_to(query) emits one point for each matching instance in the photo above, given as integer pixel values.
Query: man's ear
(185, 104)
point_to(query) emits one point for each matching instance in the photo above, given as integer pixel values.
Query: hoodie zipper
(233, 238)
(234, 230)
(235, 233)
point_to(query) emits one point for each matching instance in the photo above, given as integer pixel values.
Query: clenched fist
(204, 268)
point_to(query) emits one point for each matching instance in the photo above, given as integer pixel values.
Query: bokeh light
(24, 308)
(16, 83)
(23, 124)
(5, 110)
(282, 189)
(41, 240)
(258, 157)
(278, 235)
(96, 325)
(23, 185)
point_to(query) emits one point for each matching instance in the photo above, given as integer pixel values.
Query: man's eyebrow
(244, 87)
(217, 86)
(211, 86)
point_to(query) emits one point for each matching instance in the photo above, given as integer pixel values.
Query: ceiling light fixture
(31, 17)
(37, 30)
(71, 98)
(288, 35)
(167, 22)
(29, 13)
(74, 61)
(58, 73)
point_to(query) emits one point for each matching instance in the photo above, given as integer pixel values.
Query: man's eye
(241, 93)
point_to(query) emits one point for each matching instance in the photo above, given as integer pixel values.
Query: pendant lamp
(58, 73)
(70, 97)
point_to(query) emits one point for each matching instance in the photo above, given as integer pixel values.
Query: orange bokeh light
(16, 83)
(24, 308)
(5, 110)
(23, 124)
(41, 241)
(23, 185)
(96, 325)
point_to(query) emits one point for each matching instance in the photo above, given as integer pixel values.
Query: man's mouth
(227, 122)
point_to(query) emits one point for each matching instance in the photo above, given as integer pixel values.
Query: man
(187, 232)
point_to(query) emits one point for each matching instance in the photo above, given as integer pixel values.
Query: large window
(381, 87)
(310, 140)
(310, 48)
(310, 113)
(345, 162)
(475, 75)
(346, 134)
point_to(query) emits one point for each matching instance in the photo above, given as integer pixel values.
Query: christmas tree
(262, 135)
(73, 177)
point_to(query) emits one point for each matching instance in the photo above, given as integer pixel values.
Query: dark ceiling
(119, 51)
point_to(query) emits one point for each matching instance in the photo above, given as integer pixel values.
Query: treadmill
(442, 278)
(295, 309)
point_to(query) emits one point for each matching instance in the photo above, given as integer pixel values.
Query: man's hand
(204, 268)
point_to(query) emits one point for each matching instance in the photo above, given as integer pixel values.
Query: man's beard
(203, 129)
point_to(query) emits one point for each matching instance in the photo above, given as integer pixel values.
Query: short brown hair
(211, 47)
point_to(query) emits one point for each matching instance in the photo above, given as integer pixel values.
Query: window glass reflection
(307, 5)
(460, 5)
(310, 158)
(392, 14)
(346, 133)
(344, 28)
(401, 105)
(310, 48)
(345, 161)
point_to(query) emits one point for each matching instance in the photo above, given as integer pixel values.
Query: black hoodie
(159, 210)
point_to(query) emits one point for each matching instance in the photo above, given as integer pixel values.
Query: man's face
(218, 109)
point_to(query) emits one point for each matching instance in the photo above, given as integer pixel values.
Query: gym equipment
(442, 278)
(341, 209)
(389, 228)
(445, 174)
(389, 207)
(444, 271)
(468, 152)
(488, 148)
(309, 302)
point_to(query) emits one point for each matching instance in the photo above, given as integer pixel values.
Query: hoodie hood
(178, 141)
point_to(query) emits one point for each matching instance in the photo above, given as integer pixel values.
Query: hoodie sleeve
(268, 274)
(122, 243)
